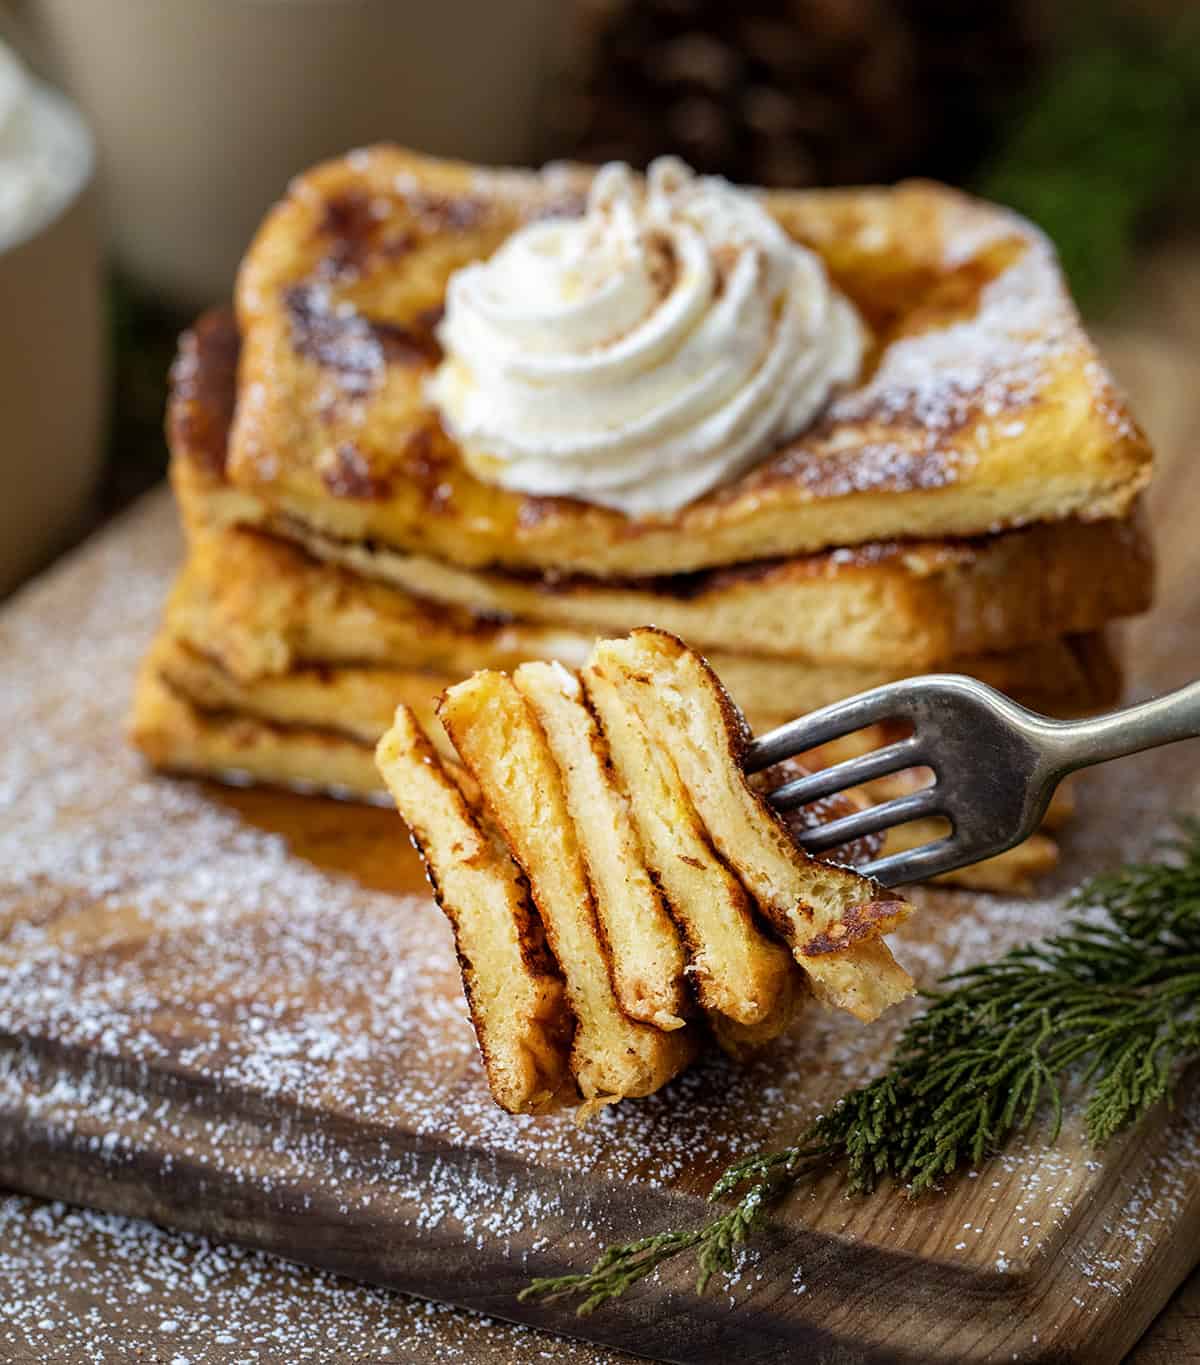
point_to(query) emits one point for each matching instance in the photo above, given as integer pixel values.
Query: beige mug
(205, 108)
(52, 367)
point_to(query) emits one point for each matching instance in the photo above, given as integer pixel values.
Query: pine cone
(792, 92)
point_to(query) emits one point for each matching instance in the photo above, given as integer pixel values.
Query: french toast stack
(968, 505)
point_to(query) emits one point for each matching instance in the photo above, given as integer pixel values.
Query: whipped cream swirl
(45, 152)
(640, 355)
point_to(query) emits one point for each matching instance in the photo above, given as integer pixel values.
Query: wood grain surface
(234, 1012)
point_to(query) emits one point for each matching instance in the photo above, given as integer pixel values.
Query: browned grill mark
(360, 234)
(203, 388)
(346, 473)
(429, 464)
(858, 922)
(365, 231)
(347, 342)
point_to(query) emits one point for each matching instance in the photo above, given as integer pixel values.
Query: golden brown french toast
(513, 988)
(743, 978)
(176, 735)
(356, 703)
(832, 919)
(985, 405)
(645, 957)
(504, 749)
(895, 604)
(719, 855)
(263, 609)
(903, 604)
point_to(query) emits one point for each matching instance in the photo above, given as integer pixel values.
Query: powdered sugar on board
(188, 996)
(91, 1288)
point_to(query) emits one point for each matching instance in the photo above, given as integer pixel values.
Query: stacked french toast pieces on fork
(598, 822)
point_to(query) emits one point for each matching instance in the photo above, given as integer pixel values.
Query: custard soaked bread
(646, 959)
(742, 978)
(981, 404)
(512, 986)
(890, 604)
(902, 605)
(678, 763)
(263, 609)
(832, 920)
(597, 803)
(498, 737)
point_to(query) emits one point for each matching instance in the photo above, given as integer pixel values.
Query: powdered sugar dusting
(292, 1038)
(87, 1288)
(979, 373)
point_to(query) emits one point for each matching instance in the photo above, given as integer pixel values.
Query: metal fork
(995, 764)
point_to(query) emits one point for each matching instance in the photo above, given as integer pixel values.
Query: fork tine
(869, 821)
(819, 727)
(892, 758)
(919, 864)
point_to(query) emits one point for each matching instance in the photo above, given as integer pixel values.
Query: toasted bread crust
(987, 405)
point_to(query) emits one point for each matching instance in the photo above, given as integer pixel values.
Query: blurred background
(1082, 115)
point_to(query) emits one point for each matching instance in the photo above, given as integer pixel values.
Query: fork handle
(1149, 724)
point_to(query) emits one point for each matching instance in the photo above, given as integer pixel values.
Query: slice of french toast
(646, 959)
(513, 988)
(265, 610)
(907, 604)
(984, 405)
(743, 978)
(895, 604)
(176, 734)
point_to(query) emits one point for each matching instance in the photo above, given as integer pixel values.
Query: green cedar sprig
(1112, 1002)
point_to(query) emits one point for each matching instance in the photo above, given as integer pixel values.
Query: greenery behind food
(1101, 153)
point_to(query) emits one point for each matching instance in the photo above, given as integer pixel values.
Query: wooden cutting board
(238, 1012)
